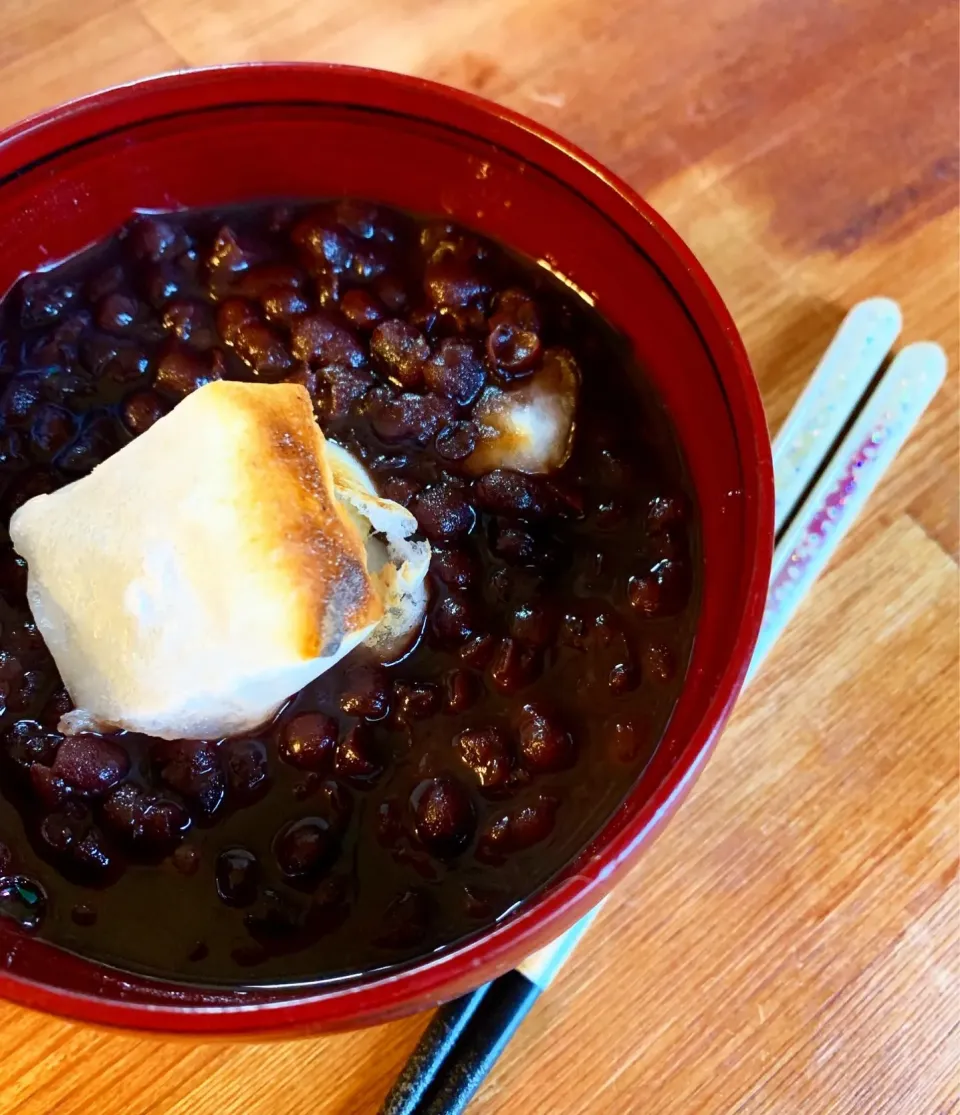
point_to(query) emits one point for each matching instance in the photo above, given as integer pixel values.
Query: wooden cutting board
(791, 942)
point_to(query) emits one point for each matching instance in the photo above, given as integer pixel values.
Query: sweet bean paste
(389, 811)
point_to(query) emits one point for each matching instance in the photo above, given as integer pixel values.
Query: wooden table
(791, 942)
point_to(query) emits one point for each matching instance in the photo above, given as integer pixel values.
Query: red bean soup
(388, 811)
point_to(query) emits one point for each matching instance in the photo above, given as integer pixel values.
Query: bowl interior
(232, 136)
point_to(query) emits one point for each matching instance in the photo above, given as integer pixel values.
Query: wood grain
(791, 943)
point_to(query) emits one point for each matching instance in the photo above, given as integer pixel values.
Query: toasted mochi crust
(528, 428)
(204, 573)
(397, 561)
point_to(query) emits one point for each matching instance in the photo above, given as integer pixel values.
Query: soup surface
(389, 810)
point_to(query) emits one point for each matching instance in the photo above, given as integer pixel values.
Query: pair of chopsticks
(838, 441)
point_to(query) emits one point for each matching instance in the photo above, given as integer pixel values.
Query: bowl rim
(428, 981)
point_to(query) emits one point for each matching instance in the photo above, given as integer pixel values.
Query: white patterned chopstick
(465, 1038)
(853, 472)
(838, 383)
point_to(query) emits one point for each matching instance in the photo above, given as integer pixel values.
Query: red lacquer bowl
(212, 137)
